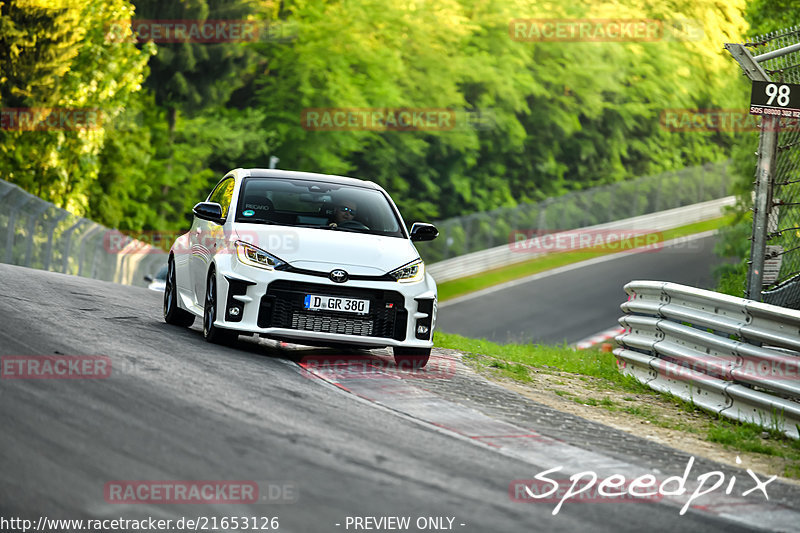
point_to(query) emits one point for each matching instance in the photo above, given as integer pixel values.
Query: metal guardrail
(508, 254)
(737, 357)
(37, 234)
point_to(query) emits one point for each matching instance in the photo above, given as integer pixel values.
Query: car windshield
(316, 204)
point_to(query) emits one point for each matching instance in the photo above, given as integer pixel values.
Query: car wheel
(172, 313)
(211, 332)
(411, 358)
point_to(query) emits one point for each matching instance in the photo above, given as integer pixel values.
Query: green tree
(56, 56)
(189, 76)
(766, 16)
(559, 116)
(565, 115)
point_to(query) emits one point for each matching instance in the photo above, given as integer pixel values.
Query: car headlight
(253, 256)
(414, 271)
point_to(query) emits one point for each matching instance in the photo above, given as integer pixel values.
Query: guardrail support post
(32, 220)
(49, 254)
(68, 244)
(20, 201)
(84, 238)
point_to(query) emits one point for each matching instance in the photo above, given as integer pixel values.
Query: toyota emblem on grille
(338, 275)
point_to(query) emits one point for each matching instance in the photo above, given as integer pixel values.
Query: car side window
(223, 194)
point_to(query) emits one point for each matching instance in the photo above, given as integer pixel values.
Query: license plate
(336, 303)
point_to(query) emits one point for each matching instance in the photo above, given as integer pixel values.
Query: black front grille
(332, 324)
(282, 307)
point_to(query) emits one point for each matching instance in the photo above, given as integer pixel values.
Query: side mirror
(208, 211)
(421, 231)
(148, 278)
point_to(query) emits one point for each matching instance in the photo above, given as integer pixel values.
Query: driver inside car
(344, 211)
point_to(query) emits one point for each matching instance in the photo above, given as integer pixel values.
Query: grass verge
(587, 362)
(458, 287)
(590, 380)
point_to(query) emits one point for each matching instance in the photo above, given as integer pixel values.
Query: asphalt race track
(577, 303)
(177, 408)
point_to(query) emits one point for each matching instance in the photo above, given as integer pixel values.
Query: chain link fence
(36, 234)
(774, 275)
(625, 199)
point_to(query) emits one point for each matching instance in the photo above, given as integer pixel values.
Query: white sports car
(308, 258)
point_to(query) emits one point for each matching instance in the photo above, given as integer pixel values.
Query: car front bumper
(269, 303)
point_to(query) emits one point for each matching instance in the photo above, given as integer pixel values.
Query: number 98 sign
(781, 99)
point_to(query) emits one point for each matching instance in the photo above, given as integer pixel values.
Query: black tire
(172, 313)
(411, 358)
(212, 333)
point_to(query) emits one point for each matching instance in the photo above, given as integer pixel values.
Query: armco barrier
(477, 262)
(35, 233)
(733, 356)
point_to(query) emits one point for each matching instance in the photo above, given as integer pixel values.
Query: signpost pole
(762, 204)
(767, 151)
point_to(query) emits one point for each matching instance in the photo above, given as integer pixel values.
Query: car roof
(310, 176)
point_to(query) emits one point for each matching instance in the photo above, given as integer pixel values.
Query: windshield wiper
(332, 227)
(341, 228)
(259, 221)
(318, 226)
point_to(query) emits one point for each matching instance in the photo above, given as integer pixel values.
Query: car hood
(324, 250)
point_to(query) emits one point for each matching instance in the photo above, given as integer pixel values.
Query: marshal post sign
(777, 99)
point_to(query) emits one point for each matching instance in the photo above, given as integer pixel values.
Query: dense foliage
(534, 119)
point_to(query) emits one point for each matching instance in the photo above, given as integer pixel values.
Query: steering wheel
(353, 224)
